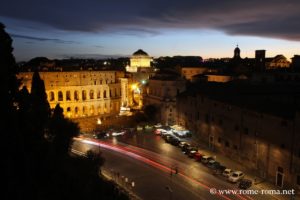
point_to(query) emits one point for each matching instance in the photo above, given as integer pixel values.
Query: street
(150, 162)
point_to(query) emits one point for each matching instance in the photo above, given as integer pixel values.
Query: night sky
(111, 28)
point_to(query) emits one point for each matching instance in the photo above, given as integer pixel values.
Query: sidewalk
(121, 181)
(258, 183)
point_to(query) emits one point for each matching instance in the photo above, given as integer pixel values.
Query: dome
(140, 52)
(237, 49)
(237, 52)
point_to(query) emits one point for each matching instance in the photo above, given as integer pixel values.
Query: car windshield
(235, 175)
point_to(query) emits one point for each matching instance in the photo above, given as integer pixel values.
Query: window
(91, 94)
(52, 96)
(68, 109)
(68, 96)
(219, 140)
(227, 144)
(170, 109)
(98, 94)
(60, 96)
(76, 96)
(104, 94)
(110, 95)
(76, 110)
(83, 95)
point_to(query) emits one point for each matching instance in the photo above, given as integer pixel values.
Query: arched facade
(81, 93)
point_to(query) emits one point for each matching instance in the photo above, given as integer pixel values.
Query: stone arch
(76, 95)
(83, 95)
(51, 96)
(76, 111)
(84, 110)
(60, 96)
(91, 94)
(68, 95)
(98, 94)
(92, 110)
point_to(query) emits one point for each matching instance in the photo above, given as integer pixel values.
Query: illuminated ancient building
(277, 62)
(83, 93)
(139, 61)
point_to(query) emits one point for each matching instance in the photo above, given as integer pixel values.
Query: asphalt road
(147, 160)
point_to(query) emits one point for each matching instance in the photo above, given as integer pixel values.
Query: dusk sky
(112, 28)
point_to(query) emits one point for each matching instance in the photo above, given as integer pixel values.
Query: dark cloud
(43, 39)
(268, 18)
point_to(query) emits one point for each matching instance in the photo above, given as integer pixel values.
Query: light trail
(136, 155)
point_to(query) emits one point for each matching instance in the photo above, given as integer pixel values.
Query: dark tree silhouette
(8, 70)
(26, 173)
(62, 131)
(151, 112)
(12, 145)
(40, 106)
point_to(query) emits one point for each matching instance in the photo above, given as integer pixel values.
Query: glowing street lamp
(99, 121)
(133, 86)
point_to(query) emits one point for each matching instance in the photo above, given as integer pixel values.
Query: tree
(150, 112)
(9, 82)
(40, 105)
(12, 146)
(62, 131)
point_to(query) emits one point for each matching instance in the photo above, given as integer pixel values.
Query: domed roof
(140, 52)
(237, 49)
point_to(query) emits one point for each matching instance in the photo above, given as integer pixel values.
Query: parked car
(206, 159)
(181, 144)
(227, 172)
(245, 184)
(185, 146)
(164, 136)
(213, 164)
(220, 169)
(169, 138)
(236, 176)
(198, 156)
(191, 151)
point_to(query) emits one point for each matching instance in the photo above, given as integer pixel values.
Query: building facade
(162, 91)
(83, 93)
(189, 72)
(263, 141)
(278, 62)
